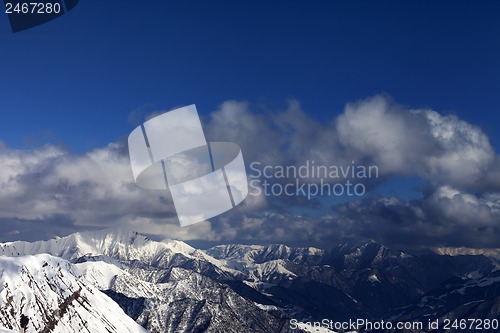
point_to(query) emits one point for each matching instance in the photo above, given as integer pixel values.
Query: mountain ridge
(169, 286)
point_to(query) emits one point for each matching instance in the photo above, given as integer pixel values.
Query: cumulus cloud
(442, 149)
(95, 189)
(64, 192)
(450, 206)
(443, 217)
(453, 156)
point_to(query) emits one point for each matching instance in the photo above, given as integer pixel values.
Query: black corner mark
(26, 14)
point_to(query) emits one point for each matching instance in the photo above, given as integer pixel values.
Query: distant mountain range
(121, 281)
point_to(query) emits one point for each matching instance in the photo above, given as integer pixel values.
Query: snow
(457, 251)
(266, 307)
(473, 302)
(483, 282)
(273, 267)
(4, 330)
(99, 273)
(263, 264)
(48, 291)
(121, 244)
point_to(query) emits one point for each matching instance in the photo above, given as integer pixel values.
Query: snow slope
(42, 293)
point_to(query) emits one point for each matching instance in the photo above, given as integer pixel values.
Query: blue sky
(78, 77)
(88, 78)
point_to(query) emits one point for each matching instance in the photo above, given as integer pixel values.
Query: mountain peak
(115, 242)
(42, 293)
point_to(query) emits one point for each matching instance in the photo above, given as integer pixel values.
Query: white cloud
(96, 189)
(449, 206)
(442, 149)
(89, 188)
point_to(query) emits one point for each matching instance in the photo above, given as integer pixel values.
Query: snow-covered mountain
(169, 286)
(164, 286)
(458, 251)
(466, 299)
(42, 293)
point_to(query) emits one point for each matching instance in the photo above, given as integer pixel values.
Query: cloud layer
(49, 191)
